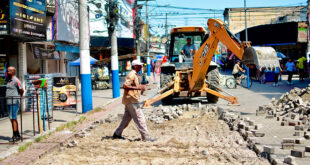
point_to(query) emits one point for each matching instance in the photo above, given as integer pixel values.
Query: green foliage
(24, 147)
(38, 139)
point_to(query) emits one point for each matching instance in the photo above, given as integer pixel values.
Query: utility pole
(87, 102)
(245, 22)
(112, 19)
(137, 31)
(166, 29)
(148, 43)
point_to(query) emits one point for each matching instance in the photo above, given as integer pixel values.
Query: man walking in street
(13, 89)
(290, 67)
(132, 89)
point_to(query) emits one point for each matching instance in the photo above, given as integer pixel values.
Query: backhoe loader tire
(165, 79)
(214, 78)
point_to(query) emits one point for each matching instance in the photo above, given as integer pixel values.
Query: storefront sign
(4, 17)
(67, 17)
(64, 93)
(98, 24)
(27, 18)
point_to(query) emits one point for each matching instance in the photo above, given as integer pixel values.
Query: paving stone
(298, 133)
(299, 127)
(289, 160)
(258, 133)
(248, 128)
(292, 123)
(258, 126)
(269, 149)
(251, 122)
(288, 146)
(298, 153)
(288, 140)
(299, 141)
(249, 134)
(284, 123)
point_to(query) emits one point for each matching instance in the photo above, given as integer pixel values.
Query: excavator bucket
(261, 57)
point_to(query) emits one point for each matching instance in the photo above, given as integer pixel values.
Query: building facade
(235, 17)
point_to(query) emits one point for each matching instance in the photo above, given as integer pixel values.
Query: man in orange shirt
(132, 89)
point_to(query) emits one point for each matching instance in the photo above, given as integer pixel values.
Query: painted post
(113, 8)
(248, 76)
(148, 64)
(87, 102)
(114, 65)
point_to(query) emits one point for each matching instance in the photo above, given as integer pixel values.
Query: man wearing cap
(132, 89)
(13, 89)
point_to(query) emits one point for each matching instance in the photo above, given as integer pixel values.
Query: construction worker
(188, 49)
(13, 89)
(132, 89)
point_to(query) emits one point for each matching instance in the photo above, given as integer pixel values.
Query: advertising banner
(27, 18)
(67, 19)
(64, 93)
(4, 17)
(97, 18)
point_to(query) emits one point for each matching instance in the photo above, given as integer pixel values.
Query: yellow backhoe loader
(198, 73)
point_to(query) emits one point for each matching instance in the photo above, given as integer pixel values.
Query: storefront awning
(66, 48)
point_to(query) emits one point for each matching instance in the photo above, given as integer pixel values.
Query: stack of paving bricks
(292, 109)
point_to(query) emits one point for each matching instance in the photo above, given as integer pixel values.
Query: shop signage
(98, 24)
(27, 18)
(67, 20)
(64, 93)
(4, 17)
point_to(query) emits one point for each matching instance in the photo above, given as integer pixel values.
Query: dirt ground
(187, 140)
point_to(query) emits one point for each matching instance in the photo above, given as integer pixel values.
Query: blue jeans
(13, 110)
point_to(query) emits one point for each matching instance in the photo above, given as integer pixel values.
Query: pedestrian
(276, 76)
(13, 89)
(132, 89)
(289, 67)
(302, 67)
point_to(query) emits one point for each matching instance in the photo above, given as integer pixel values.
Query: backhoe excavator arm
(203, 57)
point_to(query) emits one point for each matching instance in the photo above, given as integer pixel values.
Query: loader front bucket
(261, 57)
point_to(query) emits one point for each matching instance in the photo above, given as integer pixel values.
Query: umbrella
(280, 55)
(78, 62)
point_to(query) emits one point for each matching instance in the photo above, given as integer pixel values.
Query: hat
(136, 62)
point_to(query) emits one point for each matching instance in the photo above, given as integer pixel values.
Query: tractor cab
(188, 37)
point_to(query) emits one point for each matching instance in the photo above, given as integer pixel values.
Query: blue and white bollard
(248, 77)
(148, 66)
(115, 77)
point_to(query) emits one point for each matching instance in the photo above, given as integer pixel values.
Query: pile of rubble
(161, 113)
(293, 107)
